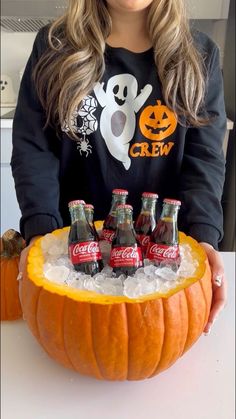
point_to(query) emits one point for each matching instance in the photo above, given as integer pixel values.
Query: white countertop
(6, 123)
(199, 386)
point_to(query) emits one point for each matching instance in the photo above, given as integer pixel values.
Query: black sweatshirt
(127, 138)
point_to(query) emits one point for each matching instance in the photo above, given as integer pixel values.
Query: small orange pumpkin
(11, 246)
(157, 122)
(114, 337)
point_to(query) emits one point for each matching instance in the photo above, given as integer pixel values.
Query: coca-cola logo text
(126, 256)
(108, 235)
(143, 240)
(126, 253)
(165, 252)
(88, 248)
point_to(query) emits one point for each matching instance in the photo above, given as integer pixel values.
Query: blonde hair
(74, 61)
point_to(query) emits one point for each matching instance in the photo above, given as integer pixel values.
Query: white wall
(15, 50)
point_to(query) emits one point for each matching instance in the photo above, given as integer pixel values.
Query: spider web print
(89, 121)
(89, 124)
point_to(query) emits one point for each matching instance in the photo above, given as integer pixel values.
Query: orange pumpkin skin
(115, 338)
(11, 243)
(157, 122)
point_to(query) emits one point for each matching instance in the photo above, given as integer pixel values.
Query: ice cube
(172, 265)
(139, 272)
(148, 287)
(47, 241)
(111, 286)
(57, 274)
(121, 278)
(149, 270)
(107, 270)
(166, 273)
(132, 287)
(147, 262)
(64, 261)
(146, 280)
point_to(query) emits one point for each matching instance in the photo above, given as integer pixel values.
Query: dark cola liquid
(81, 232)
(110, 222)
(144, 224)
(165, 233)
(125, 237)
(109, 228)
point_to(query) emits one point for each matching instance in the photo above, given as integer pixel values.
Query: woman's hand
(22, 263)
(219, 285)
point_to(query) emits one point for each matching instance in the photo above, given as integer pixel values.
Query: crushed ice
(147, 280)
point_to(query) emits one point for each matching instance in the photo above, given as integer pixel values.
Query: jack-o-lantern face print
(157, 122)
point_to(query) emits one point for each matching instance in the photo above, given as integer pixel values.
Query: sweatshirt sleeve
(203, 167)
(34, 162)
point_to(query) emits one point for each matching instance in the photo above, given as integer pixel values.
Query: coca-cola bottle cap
(125, 206)
(120, 192)
(75, 203)
(149, 195)
(172, 201)
(89, 206)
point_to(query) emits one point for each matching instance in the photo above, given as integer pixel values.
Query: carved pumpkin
(157, 122)
(110, 337)
(11, 246)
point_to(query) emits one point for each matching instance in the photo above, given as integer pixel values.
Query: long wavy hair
(74, 60)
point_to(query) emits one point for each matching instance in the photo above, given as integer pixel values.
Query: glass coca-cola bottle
(89, 212)
(119, 197)
(84, 250)
(163, 247)
(146, 221)
(126, 254)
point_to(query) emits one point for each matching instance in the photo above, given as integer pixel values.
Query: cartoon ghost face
(122, 89)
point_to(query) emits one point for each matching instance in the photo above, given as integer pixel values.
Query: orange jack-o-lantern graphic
(157, 122)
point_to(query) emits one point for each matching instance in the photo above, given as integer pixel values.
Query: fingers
(219, 285)
(19, 276)
(23, 257)
(216, 263)
(218, 278)
(215, 311)
(219, 299)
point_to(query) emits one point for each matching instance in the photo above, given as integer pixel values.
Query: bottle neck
(89, 216)
(77, 214)
(117, 200)
(170, 213)
(125, 217)
(148, 206)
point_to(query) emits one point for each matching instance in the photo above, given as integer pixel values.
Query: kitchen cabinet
(208, 9)
(10, 212)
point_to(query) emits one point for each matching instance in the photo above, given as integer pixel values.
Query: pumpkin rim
(36, 275)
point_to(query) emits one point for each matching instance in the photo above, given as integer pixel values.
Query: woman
(120, 93)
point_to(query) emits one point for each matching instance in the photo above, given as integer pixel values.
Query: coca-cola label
(144, 241)
(126, 256)
(161, 252)
(108, 235)
(85, 252)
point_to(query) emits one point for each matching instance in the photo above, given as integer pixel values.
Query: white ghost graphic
(120, 103)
